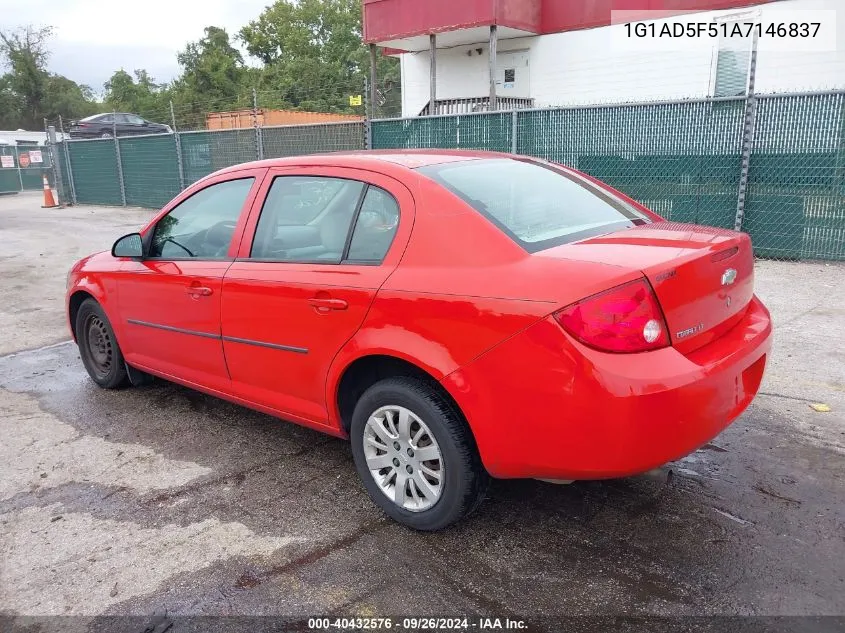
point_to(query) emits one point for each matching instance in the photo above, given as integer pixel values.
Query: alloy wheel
(404, 458)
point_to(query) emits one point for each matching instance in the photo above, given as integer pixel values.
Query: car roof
(408, 158)
(94, 116)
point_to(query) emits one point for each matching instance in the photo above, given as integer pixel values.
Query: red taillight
(624, 319)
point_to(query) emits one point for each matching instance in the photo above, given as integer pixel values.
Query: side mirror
(128, 246)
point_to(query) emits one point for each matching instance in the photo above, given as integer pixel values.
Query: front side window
(202, 226)
(537, 205)
(306, 219)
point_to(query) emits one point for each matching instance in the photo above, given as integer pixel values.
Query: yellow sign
(355, 100)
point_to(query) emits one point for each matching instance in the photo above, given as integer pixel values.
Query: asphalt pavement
(161, 500)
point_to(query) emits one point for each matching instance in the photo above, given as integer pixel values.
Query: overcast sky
(93, 38)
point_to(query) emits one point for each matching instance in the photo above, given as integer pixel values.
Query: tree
(313, 55)
(11, 105)
(211, 68)
(28, 92)
(213, 78)
(140, 95)
(64, 97)
(25, 51)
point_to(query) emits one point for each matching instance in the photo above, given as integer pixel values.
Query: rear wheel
(98, 346)
(416, 455)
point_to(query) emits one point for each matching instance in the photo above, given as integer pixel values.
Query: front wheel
(98, 346)
(416, 455)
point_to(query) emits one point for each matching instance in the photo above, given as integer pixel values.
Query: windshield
(537, 205)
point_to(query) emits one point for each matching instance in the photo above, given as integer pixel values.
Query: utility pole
(494, 39)
(373, 90)
(432, 68)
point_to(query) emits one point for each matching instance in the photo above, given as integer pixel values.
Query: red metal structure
(413, 25)
(393, 23)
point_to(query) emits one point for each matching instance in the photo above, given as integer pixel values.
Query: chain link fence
(149, 170)
(20, 169)
(685, 159)
(771, 165)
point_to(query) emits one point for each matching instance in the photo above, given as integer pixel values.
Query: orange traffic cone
(49, 200)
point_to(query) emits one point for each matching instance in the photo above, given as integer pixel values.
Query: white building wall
(13, 137)
(588, 66)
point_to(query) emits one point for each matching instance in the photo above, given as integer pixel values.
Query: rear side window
(320, 219)
(375, 227)
(306, 219)
(537, 205)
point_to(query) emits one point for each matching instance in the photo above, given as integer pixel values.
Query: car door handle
(199, 291)
(323, 304)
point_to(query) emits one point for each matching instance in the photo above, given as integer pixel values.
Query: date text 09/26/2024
(417, 624)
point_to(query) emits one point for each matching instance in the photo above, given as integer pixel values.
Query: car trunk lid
(703, 276)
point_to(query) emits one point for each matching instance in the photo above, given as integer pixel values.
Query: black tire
(98, 346)
(466, 480)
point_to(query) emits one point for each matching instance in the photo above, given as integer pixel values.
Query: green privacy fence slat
(95, 175)
(25, 178)
(491, 131)
(796, 192)
(680, 159)
(150, 170)
(9, 180)
(205, 152)
(59, 152)
(32, 177)
(296, 140)
(683, 160)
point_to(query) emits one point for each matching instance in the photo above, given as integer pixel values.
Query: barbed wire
(193, 115)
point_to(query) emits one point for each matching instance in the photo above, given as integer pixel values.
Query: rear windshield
(537, 205)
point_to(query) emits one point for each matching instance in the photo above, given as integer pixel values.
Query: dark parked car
(105, 126)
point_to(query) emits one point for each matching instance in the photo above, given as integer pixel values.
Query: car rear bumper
(542, 405)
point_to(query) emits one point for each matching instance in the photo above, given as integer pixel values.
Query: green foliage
(211, 68)
(28, 93)
(25, 51)
(310, 53)
(313, 55)
(139, 95)
(11, 105)
(214, 78)
(66, 98)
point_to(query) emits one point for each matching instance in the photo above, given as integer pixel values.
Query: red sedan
(458, 315)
